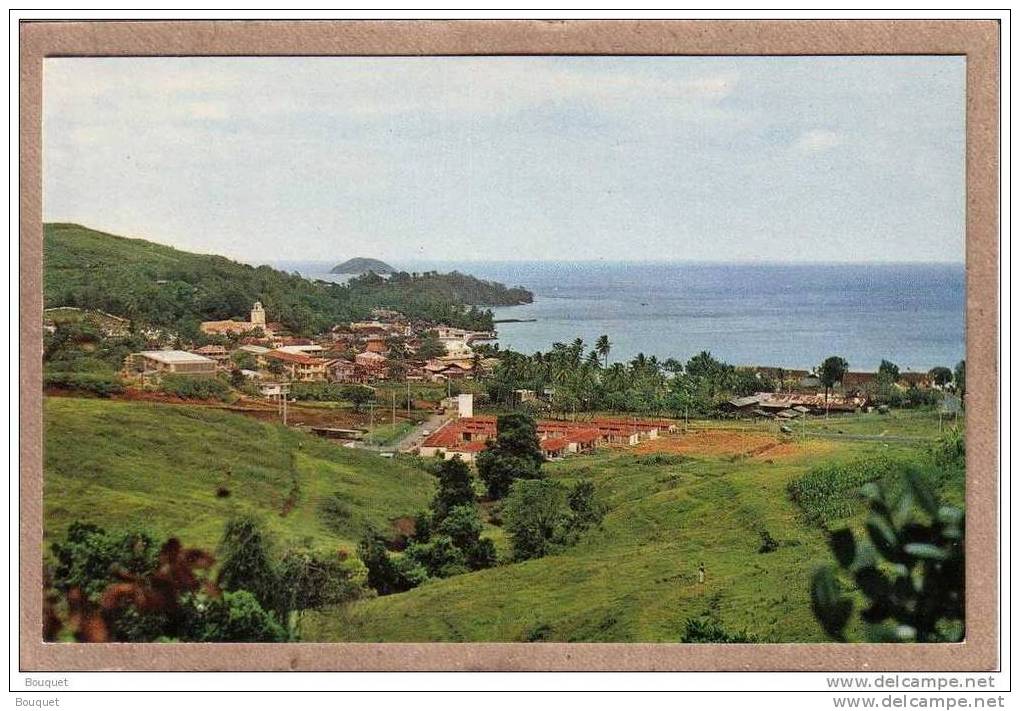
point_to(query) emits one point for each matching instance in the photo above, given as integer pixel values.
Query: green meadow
(182, 471)
(634, 578)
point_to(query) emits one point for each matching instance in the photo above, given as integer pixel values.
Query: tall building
(258, 315)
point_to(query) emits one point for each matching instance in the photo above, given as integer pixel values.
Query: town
(261, 357)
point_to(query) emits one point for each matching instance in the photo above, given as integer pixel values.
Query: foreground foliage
(910, 569)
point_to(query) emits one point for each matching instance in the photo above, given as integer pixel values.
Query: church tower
(258, 315)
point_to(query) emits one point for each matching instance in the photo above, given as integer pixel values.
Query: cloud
(818, 141)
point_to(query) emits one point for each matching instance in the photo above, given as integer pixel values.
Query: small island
(362, 265)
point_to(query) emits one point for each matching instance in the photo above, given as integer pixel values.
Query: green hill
(163, 286)
(118, 464)
(360, 265)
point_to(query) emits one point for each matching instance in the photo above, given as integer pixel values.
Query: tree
(533, 512)
(940, 375)
(889, 370)
(236, 378)
(585, 509)
(89, 557)
(358, 395)
(960, 378)
(831, 371)
(455, 488)
(602, 347)
(431, 347)
(245, 552)
(118, 588)
(916, 594)
(515, 454)
(275, 367)
(310, 579)
(244, 360)
(386, 574)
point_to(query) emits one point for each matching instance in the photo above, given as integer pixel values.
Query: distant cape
(360, 265)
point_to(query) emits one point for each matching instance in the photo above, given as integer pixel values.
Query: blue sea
(785, 315)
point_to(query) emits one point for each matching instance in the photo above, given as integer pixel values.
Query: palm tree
(602, 346)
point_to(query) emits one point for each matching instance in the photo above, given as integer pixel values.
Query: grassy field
(702, 497)
(636, 578)
(120, 464)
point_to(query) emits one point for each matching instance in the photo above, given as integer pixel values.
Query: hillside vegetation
(163, 286)
(183, 471)
(635, 578)
(754, 508)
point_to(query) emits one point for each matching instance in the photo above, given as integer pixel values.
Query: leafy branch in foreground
(910, 570)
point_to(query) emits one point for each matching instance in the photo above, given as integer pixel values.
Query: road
(412, 439)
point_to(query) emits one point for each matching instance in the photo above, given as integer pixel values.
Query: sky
(779, 159)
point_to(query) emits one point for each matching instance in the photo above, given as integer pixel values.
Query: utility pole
(393, 406)
(408, 400)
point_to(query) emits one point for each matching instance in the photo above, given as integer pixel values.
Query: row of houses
(790, 405)
(466, 437)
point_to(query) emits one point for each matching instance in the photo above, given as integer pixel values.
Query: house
(581, 441)
(371, 360)
(522, 396)
(306, 348)
(341, 370)
(217, 353)
(174, 362)
(858, 381)
(743, 404)
(376, 345)
(296, 366)
(554, 447)
(912, 379)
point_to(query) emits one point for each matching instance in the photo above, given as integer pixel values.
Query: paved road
(411, 440)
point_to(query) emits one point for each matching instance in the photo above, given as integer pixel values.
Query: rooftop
(175, 357)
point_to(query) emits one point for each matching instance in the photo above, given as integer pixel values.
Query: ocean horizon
(791, 314)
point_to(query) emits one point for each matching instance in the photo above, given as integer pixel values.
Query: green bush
(708, 629)
(91, 383)
(194, 388)
(388, 574)
(233, 617)
(90, 558)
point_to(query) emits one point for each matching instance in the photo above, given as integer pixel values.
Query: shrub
(708, 629)
(247, 562)
(439, 556)
(91, 383)
(768, 543)
(89, 558)
(386, 574)
(233, 617)
(462, 526)
(194, 388)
